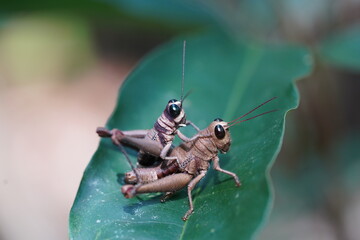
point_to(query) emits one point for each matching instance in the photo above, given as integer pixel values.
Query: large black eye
(219, 131)
(172, 101)
(174, 110)
(218, 120)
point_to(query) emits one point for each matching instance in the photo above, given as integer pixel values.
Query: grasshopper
(187, 163)
(157, 141)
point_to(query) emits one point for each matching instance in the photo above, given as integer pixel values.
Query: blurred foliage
(159, 15)
(44, 47)
(342, 49)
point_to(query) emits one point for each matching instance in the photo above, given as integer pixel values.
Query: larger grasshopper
(187, 164)
(157, 141)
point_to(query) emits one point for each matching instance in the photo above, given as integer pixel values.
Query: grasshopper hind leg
(170, 183)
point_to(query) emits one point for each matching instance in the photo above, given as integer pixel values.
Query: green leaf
(343, 49)
(228, 78)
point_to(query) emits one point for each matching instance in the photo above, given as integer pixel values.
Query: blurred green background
(61, 64)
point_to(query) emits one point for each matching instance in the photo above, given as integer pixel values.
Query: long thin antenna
(187, 94)
(183, 72)
(253, 109)
(122, 149)
(252, 117)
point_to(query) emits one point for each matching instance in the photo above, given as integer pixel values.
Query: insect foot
(187, 214)
(129, 191)
(166, 196)
(237, 181)
(116, 135)
(103, 132)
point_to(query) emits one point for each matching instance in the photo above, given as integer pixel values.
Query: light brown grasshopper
(157, 141)
(187, 164)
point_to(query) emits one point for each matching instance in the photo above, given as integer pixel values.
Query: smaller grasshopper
(187, 164)
(155, 142)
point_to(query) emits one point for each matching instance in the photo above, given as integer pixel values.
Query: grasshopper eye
(219, 131)
(174, 110)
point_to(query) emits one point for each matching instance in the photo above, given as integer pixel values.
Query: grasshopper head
(175, 112)
(220, 134)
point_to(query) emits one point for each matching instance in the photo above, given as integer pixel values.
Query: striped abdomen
(151, 174)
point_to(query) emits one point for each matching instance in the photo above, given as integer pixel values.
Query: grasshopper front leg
(192, 124)
(165, 150)
(217, 168)
(186, 139)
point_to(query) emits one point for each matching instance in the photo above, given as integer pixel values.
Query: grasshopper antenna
(186, 95)
(252, 117)
(183, 72)
(252, 110)
(122, 149)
